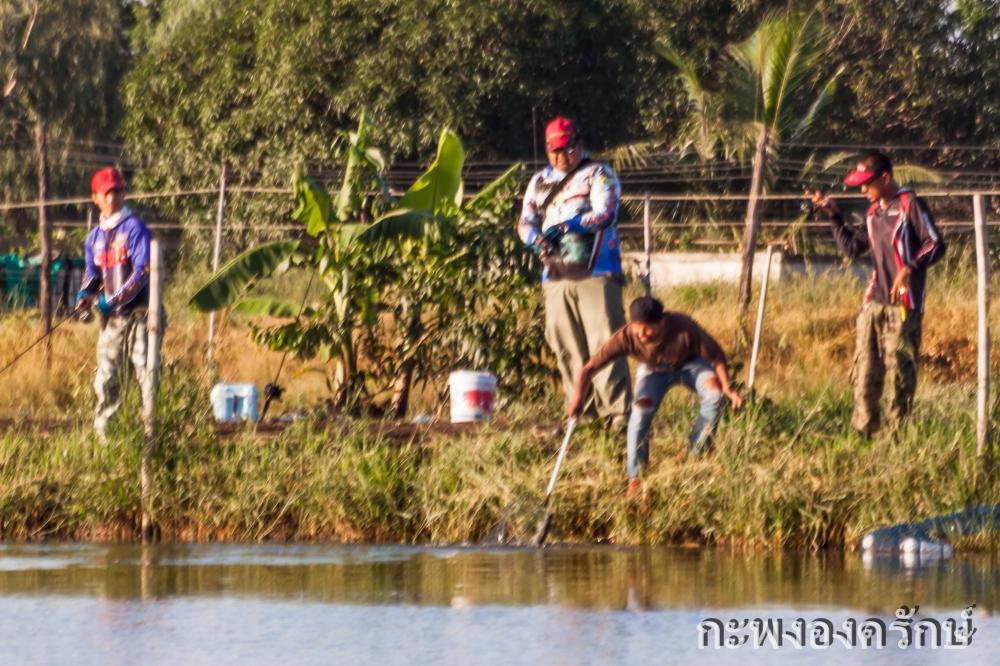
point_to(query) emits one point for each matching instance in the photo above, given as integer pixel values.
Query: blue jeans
(651, 384)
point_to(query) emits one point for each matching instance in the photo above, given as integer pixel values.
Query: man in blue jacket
(569, 218)
(116, 281)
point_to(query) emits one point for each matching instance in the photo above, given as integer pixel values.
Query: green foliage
(765, 81)
(441, 184)
(391, 307)
(232, 280)
(64, 79)
(270, 307)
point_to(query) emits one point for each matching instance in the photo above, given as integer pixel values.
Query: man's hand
(822, 202)
(102, 305)
(580, 391)
(83, 301)
(575, 406)
(900, 285)
(734, 398)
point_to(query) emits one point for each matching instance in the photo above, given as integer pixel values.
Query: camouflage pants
(122, 336)
(885, 358)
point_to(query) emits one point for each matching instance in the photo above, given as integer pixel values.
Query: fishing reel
(273, 392)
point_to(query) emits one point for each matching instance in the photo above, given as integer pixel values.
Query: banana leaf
(313, 209)
(223, 288)
(397, 224)
(442, 181)
(270, 307)
(485, 195)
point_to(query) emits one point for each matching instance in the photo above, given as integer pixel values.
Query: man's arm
(722, 372)
(931, 241)
(530, 222)
(605, 197)
(710, 350)
(92, 277)
(853, 242)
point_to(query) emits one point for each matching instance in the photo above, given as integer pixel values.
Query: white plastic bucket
(234, 402)
(473, 395)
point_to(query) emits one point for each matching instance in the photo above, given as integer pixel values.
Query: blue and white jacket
(587, 204)
(117, 261)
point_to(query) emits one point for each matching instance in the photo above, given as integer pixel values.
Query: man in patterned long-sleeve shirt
(569, 216)
(904, 241)
(116, 280)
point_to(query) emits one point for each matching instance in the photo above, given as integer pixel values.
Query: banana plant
(402, 264)
(347, 270)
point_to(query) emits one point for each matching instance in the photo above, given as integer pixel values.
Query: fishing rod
(273, 391)
(37, 342)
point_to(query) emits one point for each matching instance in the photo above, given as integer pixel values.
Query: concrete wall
(676, 268)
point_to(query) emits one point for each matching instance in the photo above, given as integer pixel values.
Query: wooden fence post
(217, 251)
(759, 328)
(983, 298)
(154, 338)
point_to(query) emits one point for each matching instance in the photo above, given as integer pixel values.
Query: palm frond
(911, 174)
(825, 95)
(633, 155)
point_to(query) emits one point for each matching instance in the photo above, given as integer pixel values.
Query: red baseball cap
(559, 133)
(863, 173)
(106, 178)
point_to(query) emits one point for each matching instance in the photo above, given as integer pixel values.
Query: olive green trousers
(885, 365)
(580, 316)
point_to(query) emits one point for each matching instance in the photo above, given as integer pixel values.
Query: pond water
(327, 604)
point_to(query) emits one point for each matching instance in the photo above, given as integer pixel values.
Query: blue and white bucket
(234, 402)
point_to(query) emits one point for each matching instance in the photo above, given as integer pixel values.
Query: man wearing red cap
(904, 241)
(569, 215)
(116, 281)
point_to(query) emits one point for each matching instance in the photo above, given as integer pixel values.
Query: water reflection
(604, 578)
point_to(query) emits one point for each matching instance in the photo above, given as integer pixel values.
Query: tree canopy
(268, 85)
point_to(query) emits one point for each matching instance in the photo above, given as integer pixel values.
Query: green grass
(786, 472)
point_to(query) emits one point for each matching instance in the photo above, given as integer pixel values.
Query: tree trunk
(401, 393)
(44, 231)
(401, 389)
(752, 224)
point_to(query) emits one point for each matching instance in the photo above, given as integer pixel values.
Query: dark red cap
(106, 178)
(863, 173)
(559, 133)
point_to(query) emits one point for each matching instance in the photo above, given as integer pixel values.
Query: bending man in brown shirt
(671, 348)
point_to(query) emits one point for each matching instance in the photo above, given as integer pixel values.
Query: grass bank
(785, 474)
(786, 471)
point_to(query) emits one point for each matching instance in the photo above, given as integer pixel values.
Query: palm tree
(759, 104)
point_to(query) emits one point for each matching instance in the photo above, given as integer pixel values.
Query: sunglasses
(568, 148)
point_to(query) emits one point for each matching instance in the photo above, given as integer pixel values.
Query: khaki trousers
(885, 360)
(580, 316)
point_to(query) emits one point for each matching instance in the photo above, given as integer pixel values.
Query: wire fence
(693, 201)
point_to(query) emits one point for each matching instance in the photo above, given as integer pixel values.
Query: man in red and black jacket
(904, 241)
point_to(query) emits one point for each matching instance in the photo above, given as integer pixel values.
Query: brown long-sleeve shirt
(677, 340)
